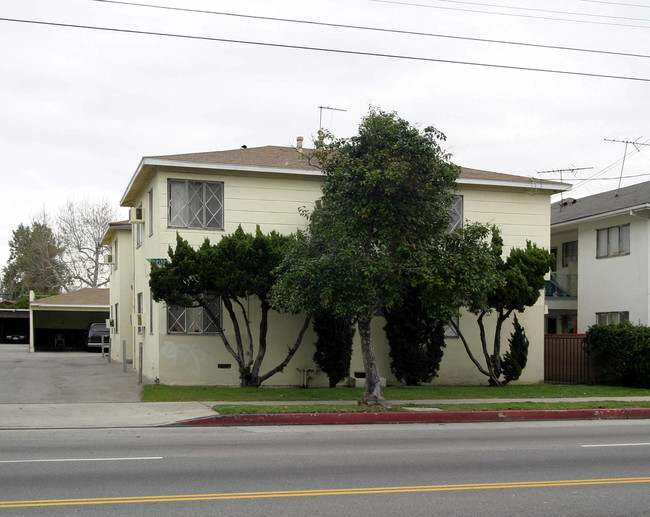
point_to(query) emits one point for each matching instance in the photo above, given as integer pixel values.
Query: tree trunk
(373, 395)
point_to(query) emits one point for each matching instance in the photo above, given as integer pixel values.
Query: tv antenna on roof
(320, 117)
(636, 145)
(572, 170)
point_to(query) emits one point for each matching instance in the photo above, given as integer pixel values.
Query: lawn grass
(244, 409)
(163, 393)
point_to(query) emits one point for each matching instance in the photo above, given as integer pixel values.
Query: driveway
(63, 378)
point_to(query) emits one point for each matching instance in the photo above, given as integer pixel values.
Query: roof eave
(595, 217)
(531, 184)
(128, 196)
(68, 306)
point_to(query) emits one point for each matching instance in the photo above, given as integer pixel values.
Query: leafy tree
(416, 340)
(334, 345)
(35, 260)
(240, 266)
(489, 284)
(514, 361)
(80, 227)
(386, 193)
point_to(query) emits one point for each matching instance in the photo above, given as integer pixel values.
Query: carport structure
(61, 322)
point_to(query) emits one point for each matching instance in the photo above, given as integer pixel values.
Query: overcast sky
(80, 107)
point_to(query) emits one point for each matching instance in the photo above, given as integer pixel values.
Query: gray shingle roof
(599, 204)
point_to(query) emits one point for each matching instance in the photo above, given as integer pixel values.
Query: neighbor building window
(139, 306)
(150, 313)
(139, 229)
(456, 211)
(605, 318)
(150, 213)
(195, 204)
(613, 241)
(569, 253)
(193, 320)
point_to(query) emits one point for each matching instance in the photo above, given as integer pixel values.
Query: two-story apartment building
(602, 245)
(209, 194)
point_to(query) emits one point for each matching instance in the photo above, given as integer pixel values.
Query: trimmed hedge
(622, 353)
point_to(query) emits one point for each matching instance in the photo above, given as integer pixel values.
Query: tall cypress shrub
(514, 361)
(416, 340)
(334, 345)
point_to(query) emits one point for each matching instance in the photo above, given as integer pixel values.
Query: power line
(376, 29)
(615, 3)
(330, 50)
(413, 4)
(589, 15)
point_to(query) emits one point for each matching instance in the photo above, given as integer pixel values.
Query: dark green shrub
(333, 346)
(416, 340)
(514, 361)
(622, 353)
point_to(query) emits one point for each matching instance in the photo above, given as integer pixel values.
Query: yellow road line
(315, 493)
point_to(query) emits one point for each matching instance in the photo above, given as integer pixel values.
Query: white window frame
(457, 212)
(192, 320)
(569, 257)
(613, 241)
(150, 313)
(150, 212)
(208, 198)
(140, 306)
(605, 318)
(450, 331)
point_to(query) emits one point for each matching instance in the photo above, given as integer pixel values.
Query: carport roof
(89, 298)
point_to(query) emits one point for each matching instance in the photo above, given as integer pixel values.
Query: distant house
(602, 274)
(209, 194)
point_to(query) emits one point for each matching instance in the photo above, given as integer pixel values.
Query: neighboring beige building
(209, 194)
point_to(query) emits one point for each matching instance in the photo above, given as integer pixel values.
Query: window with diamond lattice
(195, 204)
(193, 320)
(456, 211)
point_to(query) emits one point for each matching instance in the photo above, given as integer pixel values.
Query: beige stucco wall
(273, 200)
(120, 293)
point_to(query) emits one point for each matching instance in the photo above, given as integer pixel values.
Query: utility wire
(615, 3)
(376, 29)
(570, 13)
(330, 50)
(413, 4)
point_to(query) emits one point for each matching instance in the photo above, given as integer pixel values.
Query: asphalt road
(597, 468)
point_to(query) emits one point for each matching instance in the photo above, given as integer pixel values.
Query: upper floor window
(193, 320)
(195, 204)
(115, 255)
(456, 211)
(613, 241)
(569, 252)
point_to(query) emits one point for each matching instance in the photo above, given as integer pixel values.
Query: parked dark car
(96, 333)
(16, 337)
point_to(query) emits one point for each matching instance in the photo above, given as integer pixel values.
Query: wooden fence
(565, 361)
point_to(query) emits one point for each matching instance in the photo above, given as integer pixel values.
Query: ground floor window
(193, 320)
(605, 318)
